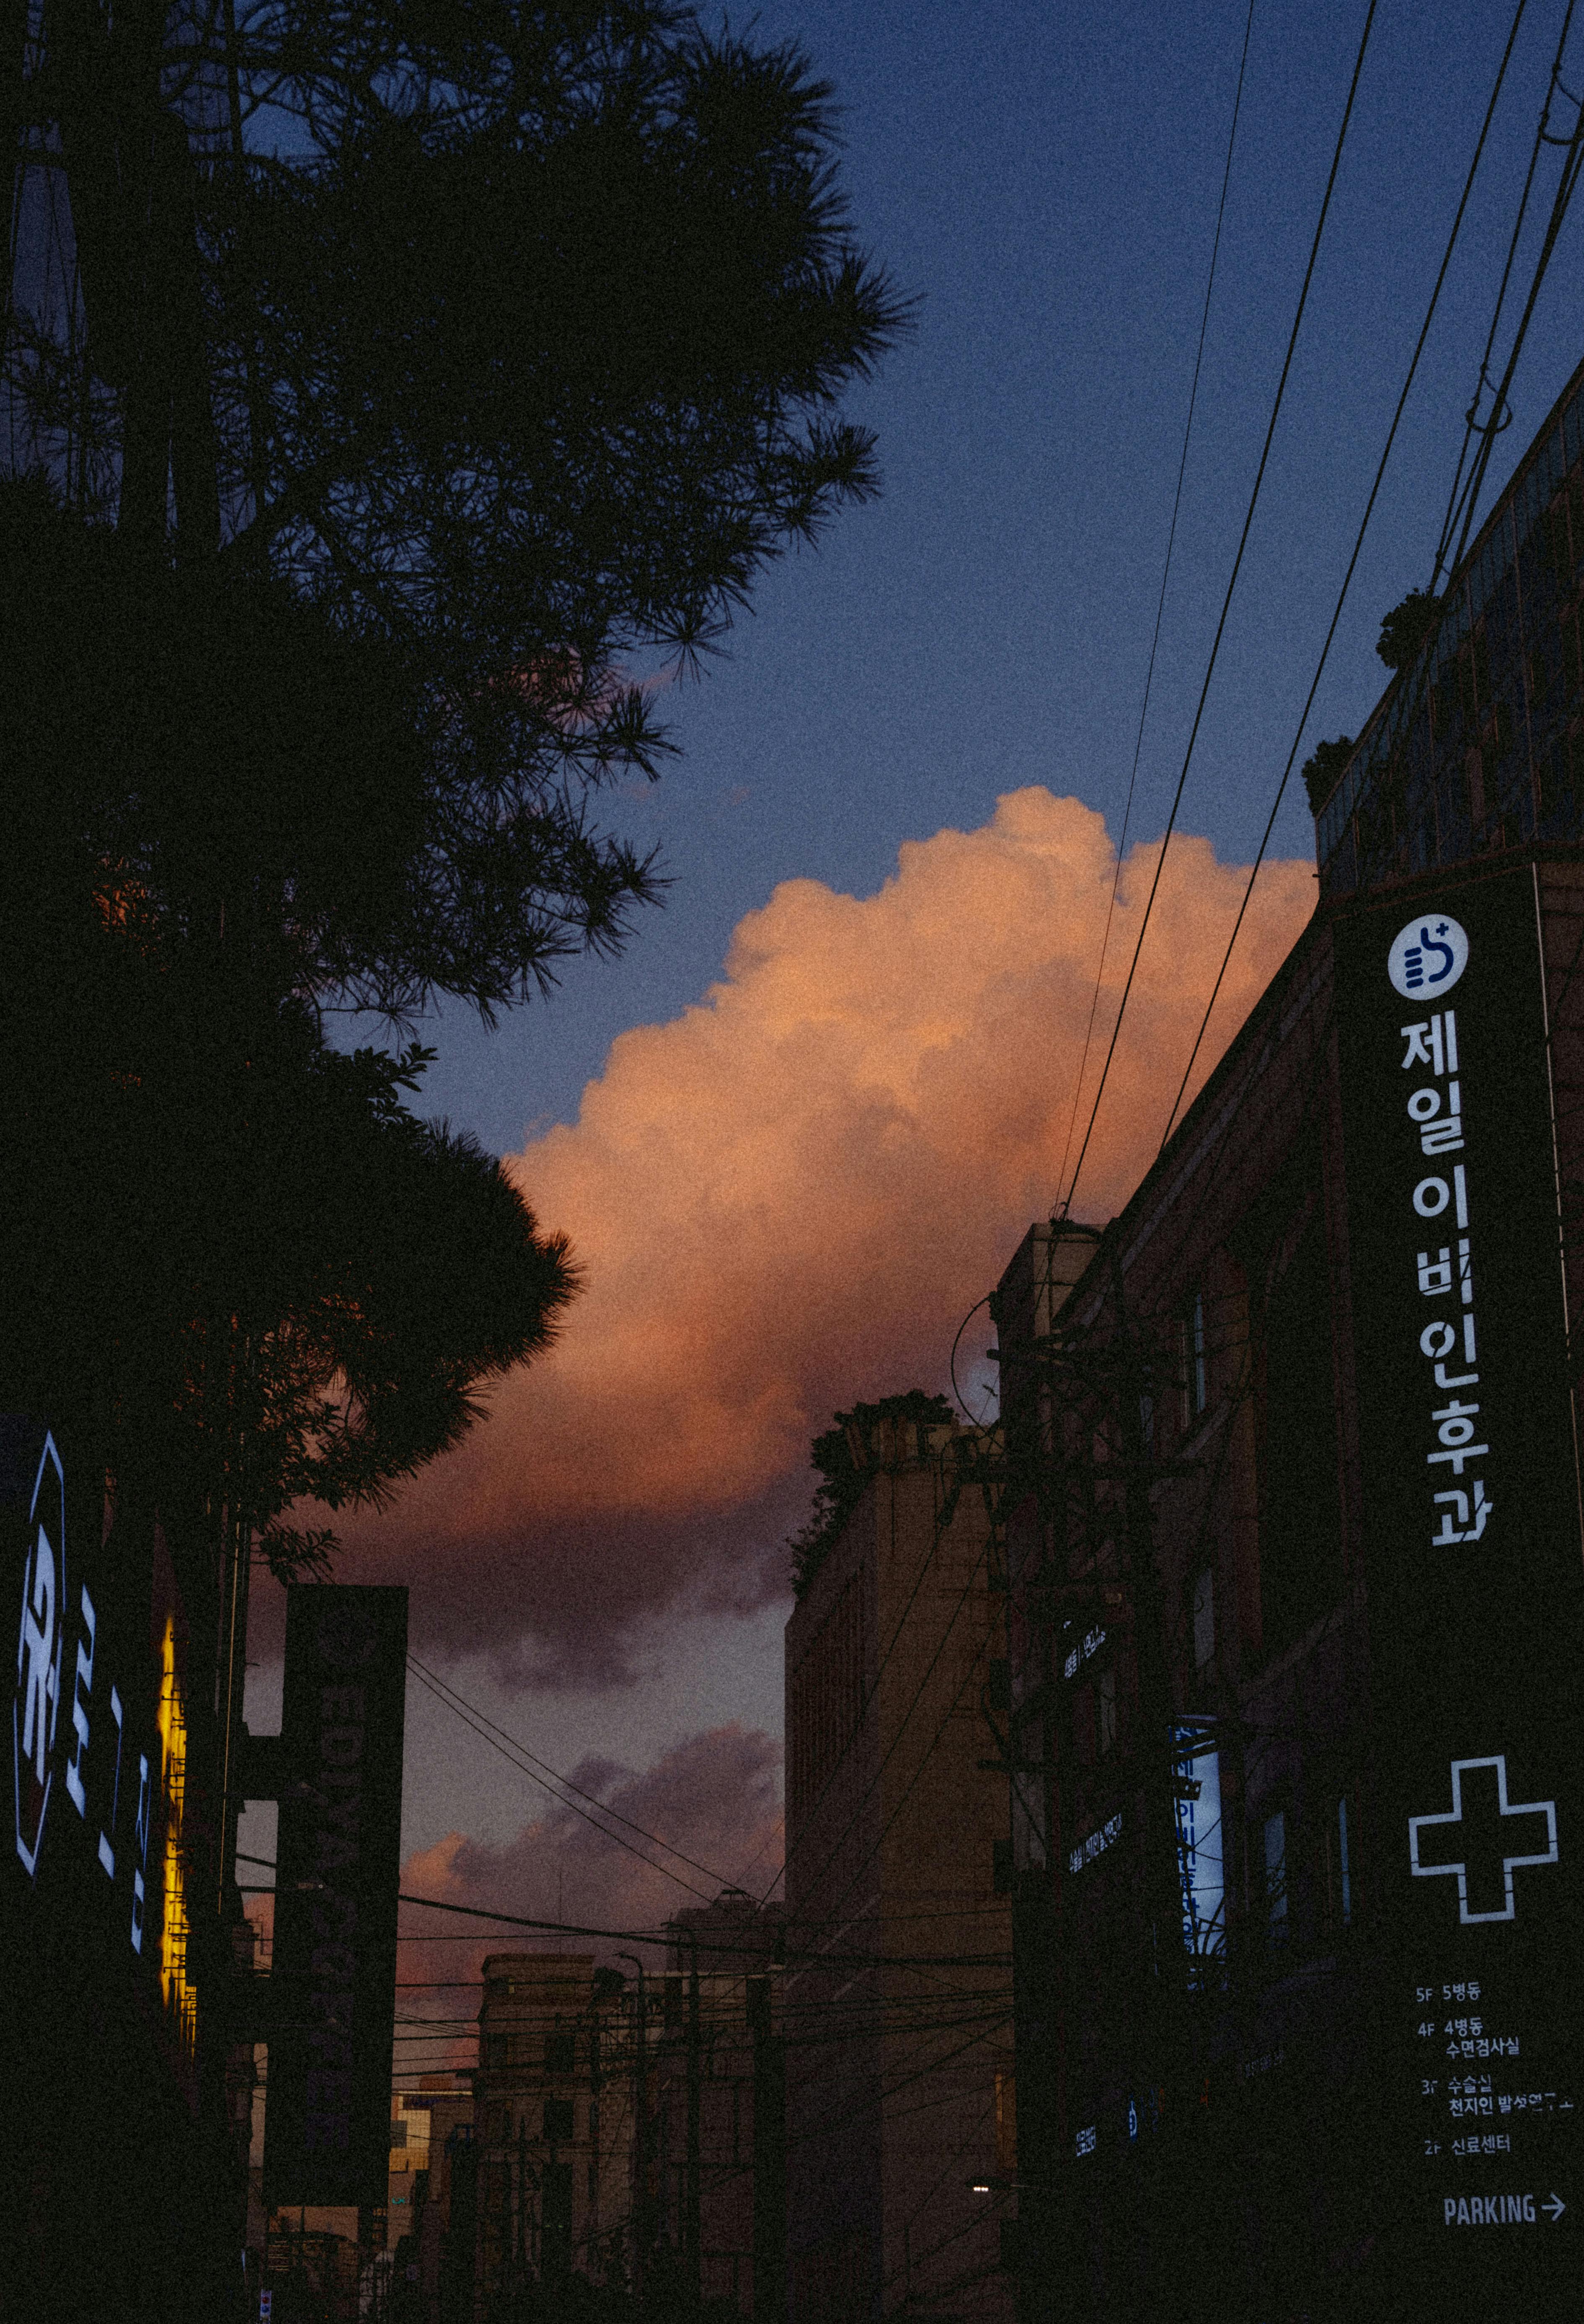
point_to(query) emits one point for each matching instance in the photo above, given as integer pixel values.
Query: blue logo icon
(36, 1703)
(1429, 956)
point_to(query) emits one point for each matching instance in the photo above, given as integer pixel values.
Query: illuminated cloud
(789, 1196)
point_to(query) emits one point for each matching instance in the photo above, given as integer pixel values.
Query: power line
(1464, 497)
(663, 1936)
(1558, 211)
(1227, 602)
(1160, 602)
(506, 1744)
(823, 2124)
(1353, 559)
(566, 1783)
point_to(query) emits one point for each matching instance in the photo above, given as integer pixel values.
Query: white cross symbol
(1424, 1823)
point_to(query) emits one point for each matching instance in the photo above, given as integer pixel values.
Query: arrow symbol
(1556, 2207)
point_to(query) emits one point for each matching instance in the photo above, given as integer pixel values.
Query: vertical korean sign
(1474, 1595)
(90, 1766)
(327, 2134)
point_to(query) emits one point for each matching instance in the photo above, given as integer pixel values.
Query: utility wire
(662, 1936)
(508, 1746)
(479, 1728)
(1160, 603)
(1352, 562)
(872, 2100)
(1561, 202)
(1227, 602)
(1462, 496)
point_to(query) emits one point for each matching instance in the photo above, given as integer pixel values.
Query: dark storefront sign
(338, 1861)
(1472, 1549)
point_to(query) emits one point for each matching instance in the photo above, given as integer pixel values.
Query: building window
(557, 2119)
(1193, 1364)
(1106, 1708)
(1203, 1618)
(1275, 1875)
(560, 2053)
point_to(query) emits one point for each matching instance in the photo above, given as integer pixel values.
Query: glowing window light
(181, 1999)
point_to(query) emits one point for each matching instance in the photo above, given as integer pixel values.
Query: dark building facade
(552, 2126)
(1295, 1614)
(898, 1997)
(716, 2141)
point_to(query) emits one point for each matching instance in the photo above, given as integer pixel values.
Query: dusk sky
(801, 1126)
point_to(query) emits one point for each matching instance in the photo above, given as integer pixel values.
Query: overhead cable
(1352, 564)
(1227, 601)
(1561, 203)
(664, 1936)
(1160, 605)
(1464, 493)
(509, 1746)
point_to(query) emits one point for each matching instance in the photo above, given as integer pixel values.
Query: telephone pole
(769, 2157)
(1157, 1763)
(642, 2230)
(692, 2253)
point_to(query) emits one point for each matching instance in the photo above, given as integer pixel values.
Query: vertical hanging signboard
(1475, 1594)
(87, 1759)
(327, 2122)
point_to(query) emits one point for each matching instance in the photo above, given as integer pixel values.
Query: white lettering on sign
(1433, 1836)
(140, 1832)
(1092, 1642)
(82, 1688)
(1488, 2211)
(1429, 955)
(1096, 1844)
(37, 1703)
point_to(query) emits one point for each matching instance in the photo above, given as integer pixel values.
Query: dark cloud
(715, 1799)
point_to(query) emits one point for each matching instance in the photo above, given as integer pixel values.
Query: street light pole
(640, 2136)
(691, 2237)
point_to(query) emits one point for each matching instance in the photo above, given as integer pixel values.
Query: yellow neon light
(181, 1999)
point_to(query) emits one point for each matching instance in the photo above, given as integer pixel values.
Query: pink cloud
(789, 1196)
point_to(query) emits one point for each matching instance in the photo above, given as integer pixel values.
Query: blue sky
(1045, 180)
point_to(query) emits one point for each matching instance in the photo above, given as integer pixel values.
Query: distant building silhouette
(552, 2123)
